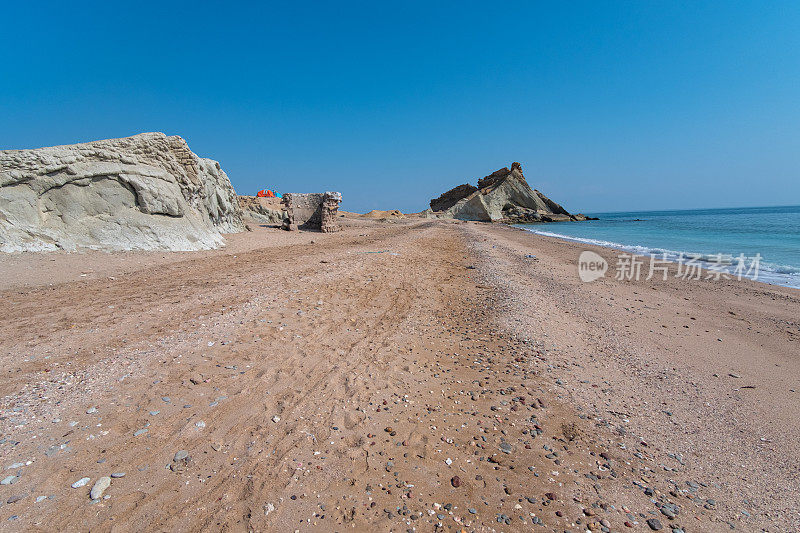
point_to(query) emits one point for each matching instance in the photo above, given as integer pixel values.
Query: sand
(412, 374)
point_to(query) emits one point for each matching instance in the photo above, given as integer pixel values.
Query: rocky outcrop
(502, 196)
(315, 211)
(262, 210)
(146, 192)
(451, 197)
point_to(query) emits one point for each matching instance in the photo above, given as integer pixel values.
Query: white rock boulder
(146, 192)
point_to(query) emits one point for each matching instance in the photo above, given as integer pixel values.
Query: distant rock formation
(312, 211)
(146, 192)
(451, 197)
(502, 196)
(262, 210)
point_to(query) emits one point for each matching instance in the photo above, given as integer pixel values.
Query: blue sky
(607, 105)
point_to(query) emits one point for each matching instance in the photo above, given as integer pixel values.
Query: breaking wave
(776, 274)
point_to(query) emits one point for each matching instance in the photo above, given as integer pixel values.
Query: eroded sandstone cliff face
(502, 196)
(262, 210)
(146, 192)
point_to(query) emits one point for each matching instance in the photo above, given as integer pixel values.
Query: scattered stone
(180, 455)
(117, 475)
(100, 487)
(669, 510)
(455, 481)
(180, 461)
(81, 482)
(10, 480)
(140, 432)
(654, 524)
(91, 410)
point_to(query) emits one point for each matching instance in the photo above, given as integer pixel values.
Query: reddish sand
(396, 375)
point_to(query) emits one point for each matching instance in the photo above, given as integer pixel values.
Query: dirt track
(337, 385)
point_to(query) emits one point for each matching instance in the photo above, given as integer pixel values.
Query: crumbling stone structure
(330, 210)
(315, 211)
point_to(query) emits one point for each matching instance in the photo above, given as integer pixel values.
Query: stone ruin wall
(330, 211)
(312, 211)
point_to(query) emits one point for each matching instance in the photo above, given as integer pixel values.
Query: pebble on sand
(180, 455)
(100, 487)
(81, 482)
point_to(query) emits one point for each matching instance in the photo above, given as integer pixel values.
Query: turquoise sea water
(772, 232)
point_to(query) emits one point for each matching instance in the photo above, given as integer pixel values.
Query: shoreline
(780, 278)
(673, 342)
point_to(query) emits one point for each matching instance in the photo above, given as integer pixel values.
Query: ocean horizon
(771, 234)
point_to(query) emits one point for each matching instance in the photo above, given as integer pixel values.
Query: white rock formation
(503, 196)
(262, 210)
(146, 192)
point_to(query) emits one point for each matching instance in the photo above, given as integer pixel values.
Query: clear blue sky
(608, 105)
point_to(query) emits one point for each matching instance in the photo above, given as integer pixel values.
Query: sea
(768, 238)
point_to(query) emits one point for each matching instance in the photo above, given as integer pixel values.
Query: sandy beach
(398, 375)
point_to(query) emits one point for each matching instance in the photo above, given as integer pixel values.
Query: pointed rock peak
(498, 176)
(502, 196)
